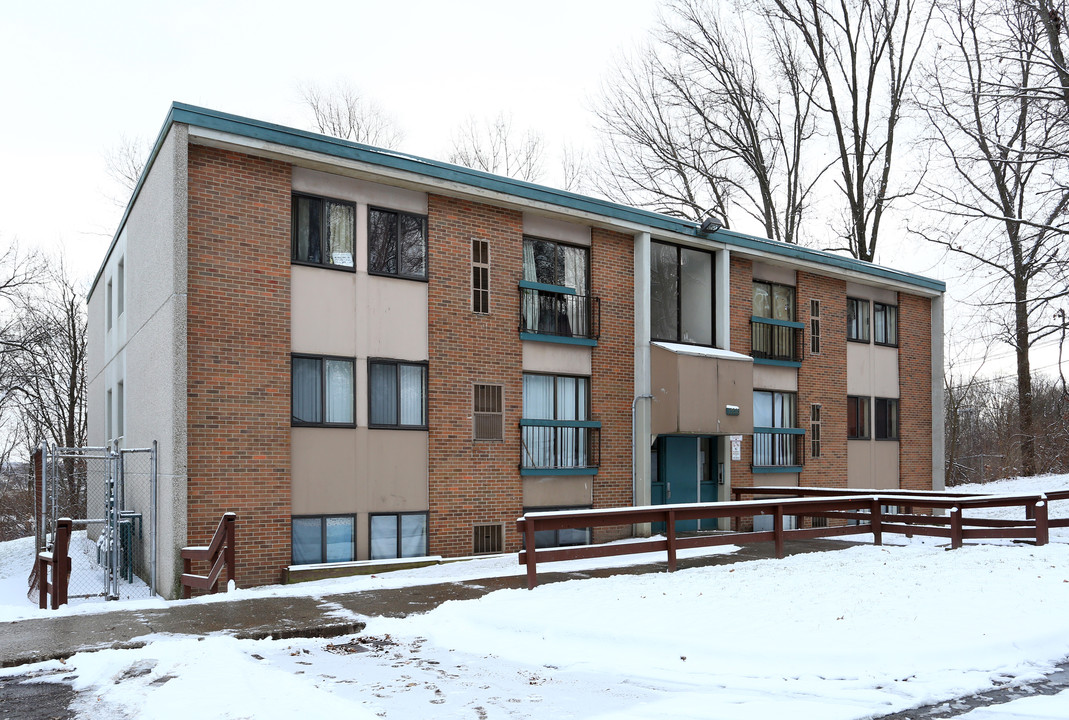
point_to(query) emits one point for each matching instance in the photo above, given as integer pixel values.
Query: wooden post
(956, 536)
(42, 582)
(231, 575)
(908, 510)
(61, 562)
(670, 533)
(529, 544)
(777, 530)
(875, 520)
(1042, 526)
(187, 569)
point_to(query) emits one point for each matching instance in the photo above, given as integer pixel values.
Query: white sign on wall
(736, 447)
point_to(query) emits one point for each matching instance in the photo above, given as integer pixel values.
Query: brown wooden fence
(863, 507)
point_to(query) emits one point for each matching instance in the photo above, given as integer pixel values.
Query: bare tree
(998, 188)
(495, 147)
(344, 112)
(864, 52)
(713, 118)
(125, 162)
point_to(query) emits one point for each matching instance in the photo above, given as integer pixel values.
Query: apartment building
(371, 356)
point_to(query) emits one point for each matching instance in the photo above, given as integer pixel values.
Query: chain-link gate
(111, 497)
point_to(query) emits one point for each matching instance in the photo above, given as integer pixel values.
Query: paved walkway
(28, 641)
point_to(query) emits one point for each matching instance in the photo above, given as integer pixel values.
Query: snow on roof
(681, 349)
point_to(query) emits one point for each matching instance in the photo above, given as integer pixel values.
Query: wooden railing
(218, 553)
(60, 562)
(863, 507)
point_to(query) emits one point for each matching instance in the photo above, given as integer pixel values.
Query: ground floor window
(565, 537)
(323, 538)
(398, 535)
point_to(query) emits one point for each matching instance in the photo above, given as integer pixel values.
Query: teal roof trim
(335, 147)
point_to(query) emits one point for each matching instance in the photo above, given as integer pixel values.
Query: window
(557, 432)
(397, 394)
(565, 537)
(886, 419)
(857, 320)
(552, 263)
(814, 327)
(857, 418)
(773, 332)
(323, 539)
(488, 414)
(814, 430)
(120, 421)
(398, 535)
(323, 391)
(110, 306)
(774, 418)
(119, 297)
(773, 301)
(555, 292)
(397, 244)
(323, 231)
(884, 324)
(681, 294)
(480, 276)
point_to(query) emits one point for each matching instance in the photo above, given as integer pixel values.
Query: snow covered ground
(856, 633)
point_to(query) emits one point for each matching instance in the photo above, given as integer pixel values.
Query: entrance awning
(700, 390)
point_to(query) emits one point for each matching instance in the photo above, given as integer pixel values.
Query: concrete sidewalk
(38, 639)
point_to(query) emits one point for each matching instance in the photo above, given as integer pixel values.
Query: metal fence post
(154, 499)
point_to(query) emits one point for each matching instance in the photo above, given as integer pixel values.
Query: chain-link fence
(111, 497)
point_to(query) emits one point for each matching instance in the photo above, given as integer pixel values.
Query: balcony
(776, 341)
(560, 447)
(778, 449)
(555, 313)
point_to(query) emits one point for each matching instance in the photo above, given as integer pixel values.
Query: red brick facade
(741, 312)
(472, 482)
(915, 390)
(238, 345)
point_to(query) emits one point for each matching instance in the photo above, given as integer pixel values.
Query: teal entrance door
(684, 471)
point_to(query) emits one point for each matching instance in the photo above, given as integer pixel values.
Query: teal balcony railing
(778, 448)
(560, 446)
(558, 311)
(775, 339)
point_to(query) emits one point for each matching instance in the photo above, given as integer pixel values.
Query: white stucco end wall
(145, 348)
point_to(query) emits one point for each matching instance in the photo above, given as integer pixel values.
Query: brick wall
(612, 271)
(238, 356)
(915, 391)
(822, 379)
(472, 482)
(741, 312)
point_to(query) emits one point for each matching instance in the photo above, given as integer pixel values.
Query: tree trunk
(1024, 381)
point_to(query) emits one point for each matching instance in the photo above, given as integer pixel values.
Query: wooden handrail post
(777, 530)
(61, 562)
(670, 534)
(908, 509)
(956, 535)
(529, 544)
(876, 519)
(1042, 525)
(231, 575)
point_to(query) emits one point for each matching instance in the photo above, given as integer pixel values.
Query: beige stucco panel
(857, 290)
(859, 368)
(735, 380)
(664, 376)
(885, 372)
(859, 459)
(323, 306)
(339, 187)
(771, 377)
(395, 318)
(335, 472)
(699, 398)
(775, 273)
(885, 455)
(556, 358)
(776, 480)
(564, 491)
(554, 229)
(691, 393)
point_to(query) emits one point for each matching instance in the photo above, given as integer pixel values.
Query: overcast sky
(80, 76)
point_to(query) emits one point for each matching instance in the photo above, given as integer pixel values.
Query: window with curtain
(398, 535)
(323, 539)
(857, 320)
(553, 263)
(396, 244)
(681, 294)
(884, 324)
(323, 231)
(556, 398)
(857, 417)
(323, 390)
(773, 409)
(397, 394)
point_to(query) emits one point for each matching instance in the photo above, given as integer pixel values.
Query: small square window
(488, 412)
(398, 535)
(397, 244)
(397, 394)
(323, 231)
(323, 390)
